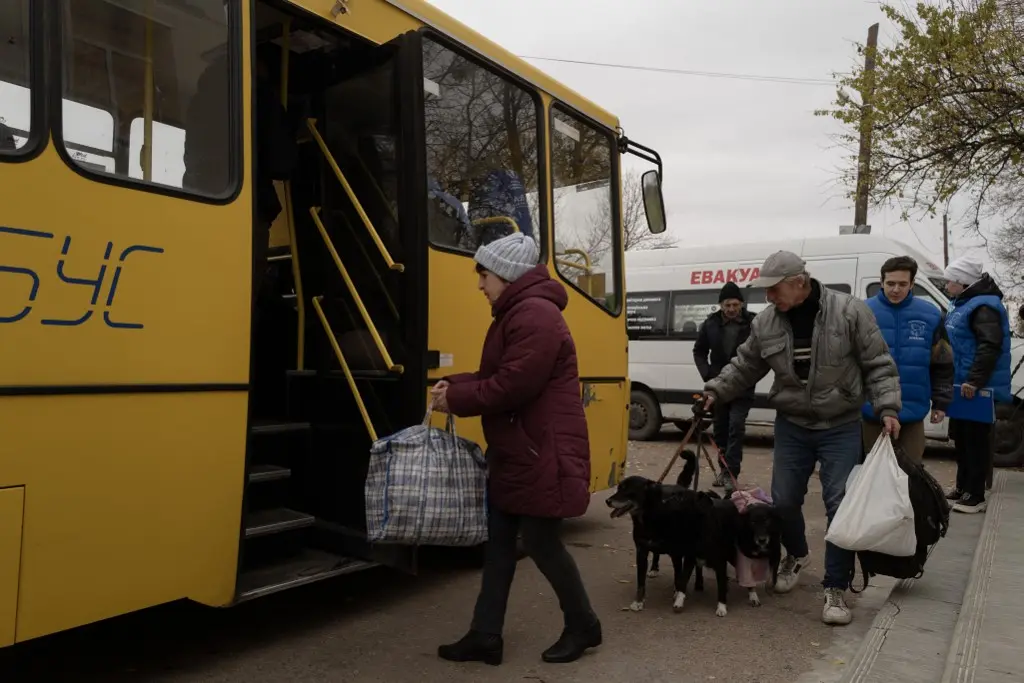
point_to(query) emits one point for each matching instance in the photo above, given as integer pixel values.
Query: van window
(919, 291)
(647, 315)
(15, 74)
(691, 307)
(137, 80)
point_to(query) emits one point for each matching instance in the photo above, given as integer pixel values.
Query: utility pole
(860, 213)
(945, 240)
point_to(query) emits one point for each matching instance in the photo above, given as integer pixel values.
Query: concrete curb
(860, 666)
(963, 652)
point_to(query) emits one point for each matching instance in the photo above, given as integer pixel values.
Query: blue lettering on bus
(63, 276)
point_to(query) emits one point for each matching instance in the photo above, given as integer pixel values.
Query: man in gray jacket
(827, 354)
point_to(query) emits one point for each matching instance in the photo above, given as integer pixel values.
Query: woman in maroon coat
(527, 393)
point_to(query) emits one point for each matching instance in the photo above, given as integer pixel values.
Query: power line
(794, 80)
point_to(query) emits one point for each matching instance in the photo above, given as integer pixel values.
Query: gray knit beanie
(510, 257)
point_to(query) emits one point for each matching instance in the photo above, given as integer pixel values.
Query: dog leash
(699, 414)
(679, 450)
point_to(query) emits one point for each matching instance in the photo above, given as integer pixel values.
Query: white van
(669, 293)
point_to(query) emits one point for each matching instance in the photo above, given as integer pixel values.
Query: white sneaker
(836, 612)
(789, 573)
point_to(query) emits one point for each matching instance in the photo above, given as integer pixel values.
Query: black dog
(666, 520)
(755, 532)
(685, 480)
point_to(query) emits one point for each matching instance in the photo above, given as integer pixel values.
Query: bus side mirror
(654, 204)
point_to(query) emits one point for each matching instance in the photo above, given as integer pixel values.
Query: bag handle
(449, 423)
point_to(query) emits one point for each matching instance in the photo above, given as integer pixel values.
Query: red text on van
(712, 277)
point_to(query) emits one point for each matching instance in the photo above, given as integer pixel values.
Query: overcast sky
(743, 160)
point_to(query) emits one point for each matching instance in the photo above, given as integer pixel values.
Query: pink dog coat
(750, 572)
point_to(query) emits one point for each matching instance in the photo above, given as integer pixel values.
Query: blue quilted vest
(908, 328)
(961, 336)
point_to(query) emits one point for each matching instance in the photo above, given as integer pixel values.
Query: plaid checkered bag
(426, 486)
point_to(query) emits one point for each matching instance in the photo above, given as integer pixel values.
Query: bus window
(154, 72)
(15, 73)
(89, 136)
(586, 216)
(481, 138)
(168, 152)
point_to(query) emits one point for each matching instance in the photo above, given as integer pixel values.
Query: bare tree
(947, 100)
(635, 233)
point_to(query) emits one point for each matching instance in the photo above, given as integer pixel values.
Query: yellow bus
(166, 435)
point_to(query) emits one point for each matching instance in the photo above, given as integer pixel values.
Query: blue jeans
(796, 451)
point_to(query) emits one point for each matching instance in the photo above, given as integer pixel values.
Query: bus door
(348, 257)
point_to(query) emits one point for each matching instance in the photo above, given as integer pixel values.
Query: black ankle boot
(572, 644)
(474, 647)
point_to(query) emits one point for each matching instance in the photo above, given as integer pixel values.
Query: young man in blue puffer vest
(916, 334)
(979, 329)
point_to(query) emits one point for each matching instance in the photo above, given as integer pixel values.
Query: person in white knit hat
(979, 331)
(538, 452)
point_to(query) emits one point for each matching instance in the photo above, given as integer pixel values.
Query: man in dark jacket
(979, 330)
(719, 337)
(917, 339)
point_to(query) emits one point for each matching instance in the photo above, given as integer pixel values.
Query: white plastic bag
(876, 513)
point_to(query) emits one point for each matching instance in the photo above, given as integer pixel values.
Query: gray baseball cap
(778, 267)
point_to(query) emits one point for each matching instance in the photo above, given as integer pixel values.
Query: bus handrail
(375, 271)
(311, 124)
(344, 367)
(586, 267)
(392, 366)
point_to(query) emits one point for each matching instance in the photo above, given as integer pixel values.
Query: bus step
(258, 473)
(275, 521)
(263, 428)
(308, 566)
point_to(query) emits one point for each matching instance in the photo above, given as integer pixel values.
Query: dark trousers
(544, 546)
(974, 443)
(730, 428)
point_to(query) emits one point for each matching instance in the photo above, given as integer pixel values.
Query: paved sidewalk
(987, 646)
(960, 622)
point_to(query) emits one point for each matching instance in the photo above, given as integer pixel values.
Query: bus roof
(808, 247)
(444, 23)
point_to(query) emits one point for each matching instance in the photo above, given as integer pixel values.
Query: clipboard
(981, 408)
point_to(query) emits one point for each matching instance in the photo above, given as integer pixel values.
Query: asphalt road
(381, 626)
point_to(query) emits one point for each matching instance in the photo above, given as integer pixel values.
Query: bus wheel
(644, 416)
(1009, 435)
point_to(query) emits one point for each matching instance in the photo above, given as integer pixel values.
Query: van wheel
(644, 416)
(1009, 436)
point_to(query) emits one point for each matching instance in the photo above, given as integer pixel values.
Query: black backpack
(931, 520)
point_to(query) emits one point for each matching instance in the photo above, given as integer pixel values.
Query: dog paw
(653, 574)
(754, 600)
(678, 600)
(721, 611)
(636, 606)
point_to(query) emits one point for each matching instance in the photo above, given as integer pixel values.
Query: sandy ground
(381, 626)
